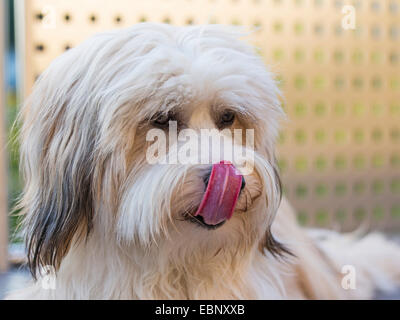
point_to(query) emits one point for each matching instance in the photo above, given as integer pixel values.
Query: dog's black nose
(243, 184)
(206, 177)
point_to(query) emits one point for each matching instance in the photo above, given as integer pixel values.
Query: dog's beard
(159, 202)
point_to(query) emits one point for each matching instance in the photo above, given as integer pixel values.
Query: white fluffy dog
(114, 226)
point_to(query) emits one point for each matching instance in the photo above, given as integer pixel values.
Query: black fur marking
(277, 249)
(64, 207)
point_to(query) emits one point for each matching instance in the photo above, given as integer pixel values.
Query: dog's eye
(162, 119)
(227, 118)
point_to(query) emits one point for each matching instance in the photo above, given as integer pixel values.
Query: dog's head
(97, 116)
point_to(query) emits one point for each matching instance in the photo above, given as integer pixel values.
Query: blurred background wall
(339, 151)
(3, 178)
(10, 111)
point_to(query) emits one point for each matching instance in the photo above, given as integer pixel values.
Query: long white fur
(138, 247)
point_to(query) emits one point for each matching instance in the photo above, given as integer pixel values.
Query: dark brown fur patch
(62, 210)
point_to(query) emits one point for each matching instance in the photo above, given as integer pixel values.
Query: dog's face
(85, 143)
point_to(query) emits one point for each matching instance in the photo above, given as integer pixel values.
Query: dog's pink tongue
(221, 194)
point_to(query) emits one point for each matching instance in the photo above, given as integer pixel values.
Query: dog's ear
(57, 164)
(62, 209)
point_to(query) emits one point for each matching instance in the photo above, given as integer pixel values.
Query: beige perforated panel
(340, 150)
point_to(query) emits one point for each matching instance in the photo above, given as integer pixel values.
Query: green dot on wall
(339, 109)
(338, 30)
(358, 135)
(339, 83)
(359, 187)
(377, 161)
(321, 163)
(376, 82)
(393, 7)
(300, 109)
(376, 32)
(377, 109)
(282, 165)
(300, 136)
(377, 187)
(340, 162)
(340, 189)
(318, 3)
(394, 58)
(395, 212)
(321, 217)
(338, 56)
(340, 136)
(278, 54)
(301, 164)
(299, 82)
(359, 161)
(282, 137)
(360, 214)
(280, 81)
(395, 186)
(395, 109)
(321, 190)
(395, 84)
(395, 160)
(278, 27)
(320, 109)
(298, 28)
(378, 213)
(318, 29)
(377, 135)
(357, 33)
(235, 22)
(357, 57)
(358, 109)
(302, 218)
(320, 135)
(319, 82)
(376, 57)
(340, 215)
(299, 55)
(301, 191)
(375, 6)
(395, 135)
(319, 55)
(358, 83)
